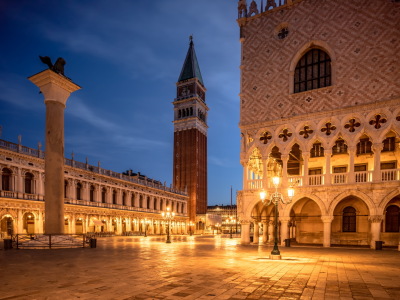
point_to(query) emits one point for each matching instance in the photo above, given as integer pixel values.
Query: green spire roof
(191, 68)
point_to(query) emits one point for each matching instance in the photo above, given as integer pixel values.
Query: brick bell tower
(190, 136)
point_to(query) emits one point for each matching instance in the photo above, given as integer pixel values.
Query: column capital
(54, 87)
(327, 219)
(245, 221)
(327, 152)
(284, 219)
(285, 157)
(377, 147)
(375, 219)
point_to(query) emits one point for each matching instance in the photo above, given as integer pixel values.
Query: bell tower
(190, 135)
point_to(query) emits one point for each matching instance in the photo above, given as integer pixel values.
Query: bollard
(93, 243)
(7, 244)
(378, 245)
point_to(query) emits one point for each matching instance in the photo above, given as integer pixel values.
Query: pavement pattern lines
(198, 267)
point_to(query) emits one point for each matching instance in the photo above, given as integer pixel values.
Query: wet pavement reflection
(198, 267)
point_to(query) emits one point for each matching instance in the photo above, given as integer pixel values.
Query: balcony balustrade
(336, 179)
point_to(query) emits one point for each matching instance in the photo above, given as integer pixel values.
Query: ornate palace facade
(320, 104)
(96, 200)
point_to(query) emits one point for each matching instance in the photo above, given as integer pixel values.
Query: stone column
(376, 222)
(20, 222)
(284, 229)
(73, 227)
(245, 232)
(256, 237)
(20, 183)
(327, 220)
(265, 232)
(306, 157)
(271, 231)
(377, 148)
(352, 152)
(285, 158)
(56, 90)
(328, 153)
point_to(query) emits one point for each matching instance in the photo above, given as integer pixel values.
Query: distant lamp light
(263, 195)
(290, 193)
(276, 181)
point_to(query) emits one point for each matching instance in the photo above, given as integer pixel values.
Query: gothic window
(133, 200)
(6, 179)
(161, 204)
(317, 150)
(191, 111)
(28, 183)
(349, 219)
(313, 71)
(392, 219)
(148, 202)
(364, 146)
(388, 144)
(78, 191)
(179, 113)
(340, 147)
(91, 194)
(141, 201)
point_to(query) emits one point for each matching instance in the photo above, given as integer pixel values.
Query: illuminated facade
(320, 104)
(96, 200)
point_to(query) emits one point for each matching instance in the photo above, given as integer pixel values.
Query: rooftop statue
(58, 67)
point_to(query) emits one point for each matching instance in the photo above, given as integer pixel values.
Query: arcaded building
(320, 104)
(96, 200)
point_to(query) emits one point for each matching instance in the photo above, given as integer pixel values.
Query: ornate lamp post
(274, 198)
(168, 216)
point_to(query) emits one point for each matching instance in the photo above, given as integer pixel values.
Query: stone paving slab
(201, 267)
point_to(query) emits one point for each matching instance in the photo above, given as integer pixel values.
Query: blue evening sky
(127, 57)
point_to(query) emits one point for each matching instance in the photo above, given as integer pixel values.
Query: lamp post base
(275, 256)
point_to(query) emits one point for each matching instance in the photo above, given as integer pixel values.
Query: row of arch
(350, 219)
(95, 193)
(124, 198)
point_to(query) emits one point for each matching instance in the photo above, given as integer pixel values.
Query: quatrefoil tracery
(265, 137)
(377, 121)
(285, 135)
(328, 128)
(306, 132)
(351, 126)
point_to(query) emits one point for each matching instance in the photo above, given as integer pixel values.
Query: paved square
(198, 268)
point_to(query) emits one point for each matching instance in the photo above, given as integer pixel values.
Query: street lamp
(168, 216)
(274, 198)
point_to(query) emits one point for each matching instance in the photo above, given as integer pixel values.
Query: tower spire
(191, 67)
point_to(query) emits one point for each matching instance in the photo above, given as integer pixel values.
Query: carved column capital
(327, 219)
(377, 147)
(375, 218)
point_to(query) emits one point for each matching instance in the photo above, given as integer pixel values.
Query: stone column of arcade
(56, 89)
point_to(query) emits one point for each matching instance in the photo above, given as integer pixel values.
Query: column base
(275, 257)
